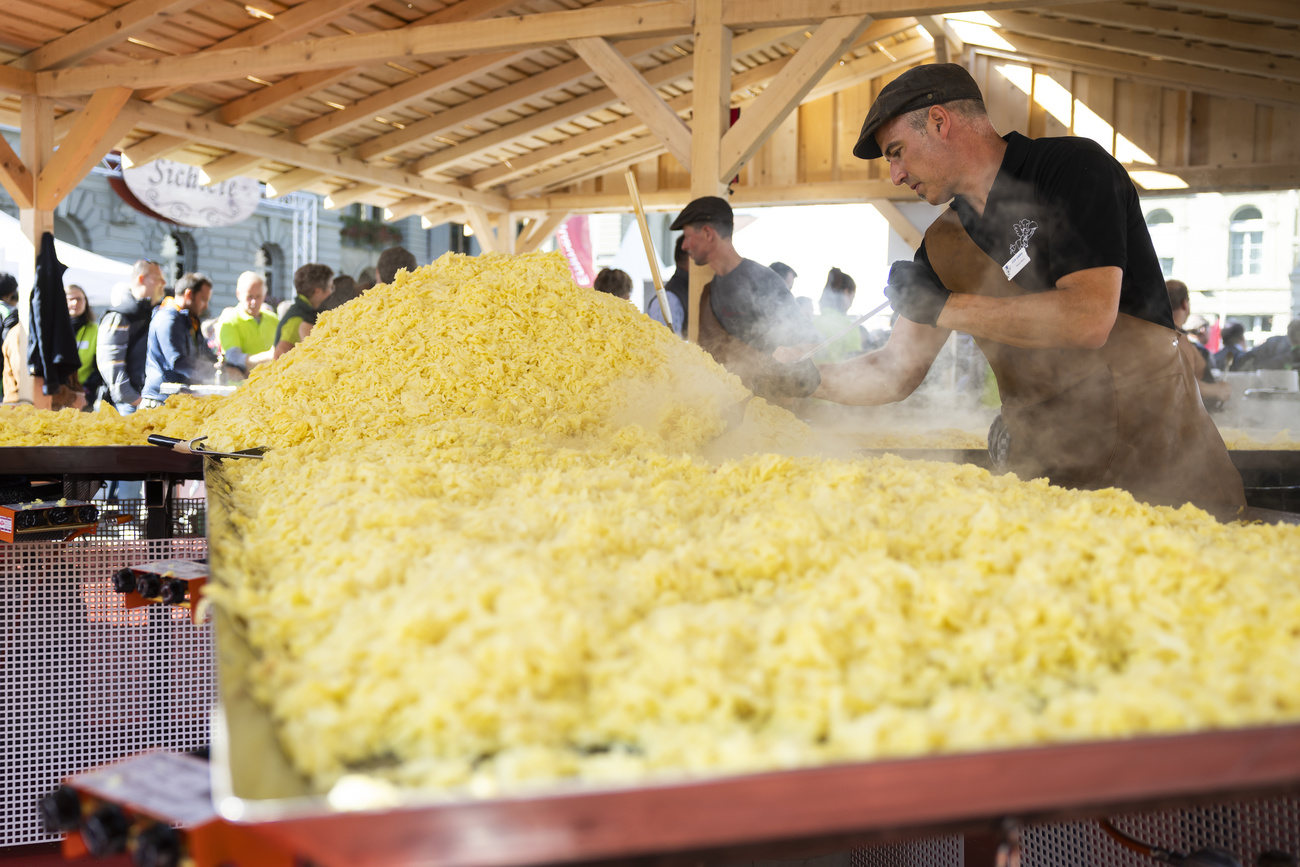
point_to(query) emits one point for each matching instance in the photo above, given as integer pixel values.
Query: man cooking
(1044, 258)
(747, 310)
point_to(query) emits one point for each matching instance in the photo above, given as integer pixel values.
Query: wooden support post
(506, 233)
(37, 119)
(712, 113)
(98, 127)
(540, 230)
(478, 220)
(15, 178)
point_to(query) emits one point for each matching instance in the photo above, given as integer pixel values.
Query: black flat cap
(706, 209)
(919, 87)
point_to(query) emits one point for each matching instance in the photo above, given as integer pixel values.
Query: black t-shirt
(1070, 206)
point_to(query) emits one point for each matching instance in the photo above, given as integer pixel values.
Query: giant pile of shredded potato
(503, 539)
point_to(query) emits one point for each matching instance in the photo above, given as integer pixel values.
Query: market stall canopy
(472, 109)
(95, 274)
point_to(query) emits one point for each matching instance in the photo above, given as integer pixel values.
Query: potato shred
(502, 540)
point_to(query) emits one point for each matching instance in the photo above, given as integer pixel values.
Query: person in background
(1234, 346)
(246, 332)
(1280, 352)
(11, 355)
(614, 282)
(8, 294)
(391, 261)
(124, 335)
(747, 311)
(837, 298)
(785, 272)
(177, 351)
(676, 290)
(806, 305)
(366, 280)
(86, 331)
(342, 290)
(313, 282)
(1212, 393)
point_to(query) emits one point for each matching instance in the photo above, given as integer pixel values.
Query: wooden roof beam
(831, 192)
(596, 100)
(345, 196)
(813, 60)
(539, 230)
(99, 126)
(1163, 72)
(662, 17)
(289, 24)
(296, 86)
(104, 32)
(771, 13)
(229, 166)
(483, 231)
(155, 147)
(645, 102)
(619, 157)
(15, 178)
(17, 81)
(1274, 11)
(280, 149)
(292, 181)
(407, 207)
(1261, 176)
(505, 98)
(1161, 48)
(1166, 22)
(911, 235)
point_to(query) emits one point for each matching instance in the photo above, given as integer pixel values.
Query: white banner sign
(173, 190)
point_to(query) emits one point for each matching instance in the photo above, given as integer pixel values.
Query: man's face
(199, 299)
(153, 284)
(697, 242)
(319, 294)
(251, 298)
(916, 159)
(76, 302)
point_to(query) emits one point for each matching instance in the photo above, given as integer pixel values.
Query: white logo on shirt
(1024, 231)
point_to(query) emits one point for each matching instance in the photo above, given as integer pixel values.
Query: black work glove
(914, 293)
(798, 379)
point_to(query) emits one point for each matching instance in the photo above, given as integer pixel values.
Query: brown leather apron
(1127, 415)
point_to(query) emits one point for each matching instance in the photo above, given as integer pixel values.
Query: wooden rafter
(290, 24)
(99, 126)
(830, 40)
(407, 207)
(15, 178)
(296, 86)
(1127, 41)
(345, 196)
(105, 31)
(292, 181)
(898, 222)
(229, 166)
(645, 102)
(511, 96)
(280, 149)
(836, 192)
(662, 17)
(1167, 22)
(1274, 11)
(1268, 176)
(17, 81)
(155, 147)
(487, 236)
(1162, 72)
(539, 231)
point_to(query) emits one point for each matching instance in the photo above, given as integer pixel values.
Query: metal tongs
(852, 325)
(195, 447)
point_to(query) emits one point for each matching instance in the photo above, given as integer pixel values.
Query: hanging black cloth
(51, 343)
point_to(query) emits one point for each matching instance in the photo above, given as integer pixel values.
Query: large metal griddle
(724, 818)
(99, 462)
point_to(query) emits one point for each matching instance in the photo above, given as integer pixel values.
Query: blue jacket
(177, 352)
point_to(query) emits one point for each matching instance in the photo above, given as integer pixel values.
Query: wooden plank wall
(1170, 126)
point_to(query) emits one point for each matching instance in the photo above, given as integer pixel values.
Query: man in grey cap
(1044, 258)
(747, 310)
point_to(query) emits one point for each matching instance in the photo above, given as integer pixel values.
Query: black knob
(123, 580)
(157, 846)
(60, 811)
(173, 591)
(148, 585)
(60, 516)
(105, 831)
(87, 514)
(25, 520)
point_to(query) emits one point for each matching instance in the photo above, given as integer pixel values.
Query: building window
(1159, 217)
(1246, 242)
(1166, 266)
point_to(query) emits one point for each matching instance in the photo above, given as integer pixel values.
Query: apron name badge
(1016, 263)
